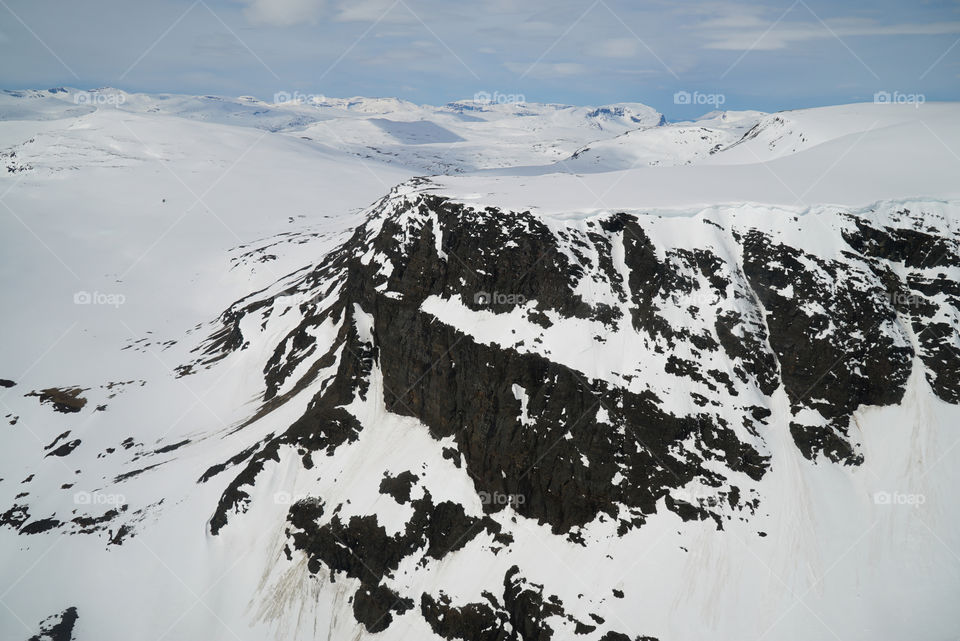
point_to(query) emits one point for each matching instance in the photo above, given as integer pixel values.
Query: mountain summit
(598, 376)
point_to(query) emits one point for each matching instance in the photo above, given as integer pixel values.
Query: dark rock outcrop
(569, 449)
(58, 627)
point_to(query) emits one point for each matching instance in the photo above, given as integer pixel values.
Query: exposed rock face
(58, 627)
(922, 293)
(460, 316)
(66, 400)
(399, 486)
(834, 334)
(519, 614)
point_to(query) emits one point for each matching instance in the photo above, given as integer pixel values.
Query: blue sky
(761, 55)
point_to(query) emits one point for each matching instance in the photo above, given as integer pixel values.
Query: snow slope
(679, 143)
(453, 138)
(873, 152)
(133, 235)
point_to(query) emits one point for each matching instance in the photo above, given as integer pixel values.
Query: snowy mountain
(453, 138)
(679, 143)
(694, 380)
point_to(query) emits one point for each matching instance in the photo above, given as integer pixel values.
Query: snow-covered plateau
(364, 369)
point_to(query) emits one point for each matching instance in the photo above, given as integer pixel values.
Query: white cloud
(783, 36)
(282, 13)
(614, 48)
(218, 45)
(546, 70)
(373, 11)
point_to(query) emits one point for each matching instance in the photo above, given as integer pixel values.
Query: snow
(909, 153)
(426, 139)
(152, 199)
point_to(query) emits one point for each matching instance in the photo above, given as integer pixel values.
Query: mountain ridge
(655, 402)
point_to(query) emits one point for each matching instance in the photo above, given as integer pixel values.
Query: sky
(682, 57)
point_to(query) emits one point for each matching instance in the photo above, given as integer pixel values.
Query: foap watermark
(99, 98)
(501, 499)
(98, 298)
(898, 98)
(289, 498)
(498, 98)
(899, 498)
(298, 98)
(903, 299)
(696, 496)
(699, 298)
(98, 498)
(698, 98)
(498, 298)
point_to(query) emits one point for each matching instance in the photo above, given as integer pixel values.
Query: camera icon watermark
(899, 498)
(298, 98)
(98, 298)
(903, 299)
(501, 499)
(696, 496)
(898, 98)
(498, 298)
(99, 98)
(98, 498)
(698, 98)
(289, 498)
(699, 298)
(498, 98)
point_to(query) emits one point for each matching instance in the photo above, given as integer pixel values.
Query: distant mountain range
(364, 369)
